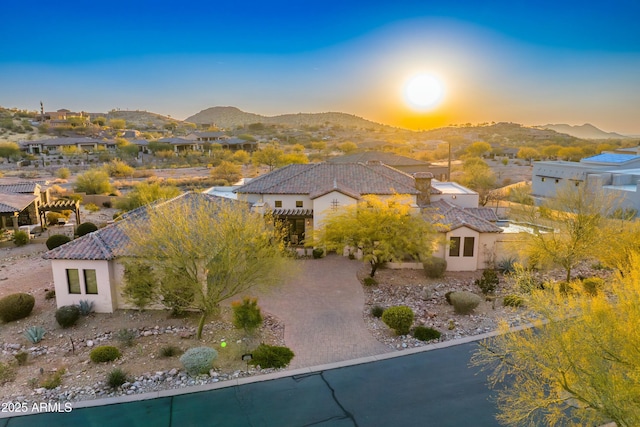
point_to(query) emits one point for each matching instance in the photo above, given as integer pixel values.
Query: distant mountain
(585, 131)
(141, 119)
(229, 117)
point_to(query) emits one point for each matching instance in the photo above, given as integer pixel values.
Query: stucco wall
(323, 205)
(462, 263)
(104, 301)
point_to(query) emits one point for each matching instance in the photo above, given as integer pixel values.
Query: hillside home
(55, 145)
(90, 268)
(21, 202)
(302, 195)
(615, 173)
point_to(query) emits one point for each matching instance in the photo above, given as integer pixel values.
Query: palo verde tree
(579, 366)
(204, 249)
(383, 229)
(93, 181)
(576, 227)
(145, 193)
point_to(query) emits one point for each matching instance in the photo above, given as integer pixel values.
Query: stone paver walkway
(322, 311)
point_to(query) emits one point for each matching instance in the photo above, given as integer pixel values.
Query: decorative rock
(89, 343)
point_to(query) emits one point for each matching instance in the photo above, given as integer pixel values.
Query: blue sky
(531, 62)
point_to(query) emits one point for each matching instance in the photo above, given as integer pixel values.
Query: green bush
(513, 301)
(423, 333)
(20, 238)
(488, 282)
(53, 217)
(57, 240)
(271, 356)
(592, 285)
(246, 314)
(21, 358)
(126, 337)
(7, 373)
(464, 302)
(317, 253)
(447, 296)
(54, 380)
(198, 360)
(434, 267)
(34, 334)
(169, 351)
(370, 281)
(92, 207)
(376, 311)
(67, 315)
(104, 353)
(86, 228)
(116, 377)
(50, 294)
(398, 318)
(16, 306)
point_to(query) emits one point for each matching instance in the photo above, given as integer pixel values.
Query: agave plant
(85, 307)
(34, 334)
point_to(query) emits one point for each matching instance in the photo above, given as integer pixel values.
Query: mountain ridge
(584, 131)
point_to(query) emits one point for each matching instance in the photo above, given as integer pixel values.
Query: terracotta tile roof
(317, 177)
(451, 217)
(293, 212)
(111, 241)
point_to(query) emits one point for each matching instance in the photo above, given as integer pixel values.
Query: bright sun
(424, 91)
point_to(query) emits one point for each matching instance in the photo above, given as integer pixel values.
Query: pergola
(59, 206)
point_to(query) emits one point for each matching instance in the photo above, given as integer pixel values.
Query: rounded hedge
(57, 240)
(67, 315)
(423, 333)
(272, 356)
(16, 306)
(464, 302)
(104, 353)
(398, 318)
(86, 228)
(198, 360)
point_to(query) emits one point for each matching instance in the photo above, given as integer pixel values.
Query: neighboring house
(302, 195)
(182, 144)
(225, 141)
(55, 145)
(402, 163)
(616, 174)
(209, 136)
(89, 268)
(20, 203)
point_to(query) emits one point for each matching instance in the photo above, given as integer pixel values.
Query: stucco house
(55, 145)
(617, 174)
(302, 195)
(90, 268)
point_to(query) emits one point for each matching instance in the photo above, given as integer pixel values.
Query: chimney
(423, 185)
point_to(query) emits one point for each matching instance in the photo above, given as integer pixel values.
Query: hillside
(501, 133)
(585, 131)
(229, 117)
(141, 119)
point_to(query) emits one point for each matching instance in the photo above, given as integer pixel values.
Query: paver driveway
(322, 311)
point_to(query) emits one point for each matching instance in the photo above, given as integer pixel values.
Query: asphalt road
(434, 388)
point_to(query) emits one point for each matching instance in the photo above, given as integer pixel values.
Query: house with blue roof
(617, 174)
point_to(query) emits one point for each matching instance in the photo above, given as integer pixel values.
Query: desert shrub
(524, 279)
(246, 314)
(434, 267)
(53, 380)
(63, 173)
(57, 240)
(447, 296)
(21, 358)
(506, 265)
(317, 253)
(592, 285)
(86, 228)
(53, 217)
(16, 306)
(513, 301)
(464, 302)
(85, 306)
(107, 204)
(139, 284)
(488, 282)
(50, 294)
(7, 373)
(376, 311)
(92, 207)
(370, 281)
(423, 333)
(67, 315)
(126, 337)
(169, 351)
(104, 353)
(116, 377)
(198, 360)
(34, 334)
(20, 238)
(398, 318)
(272, 356)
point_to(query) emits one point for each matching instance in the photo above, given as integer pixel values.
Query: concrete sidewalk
(322, 312)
